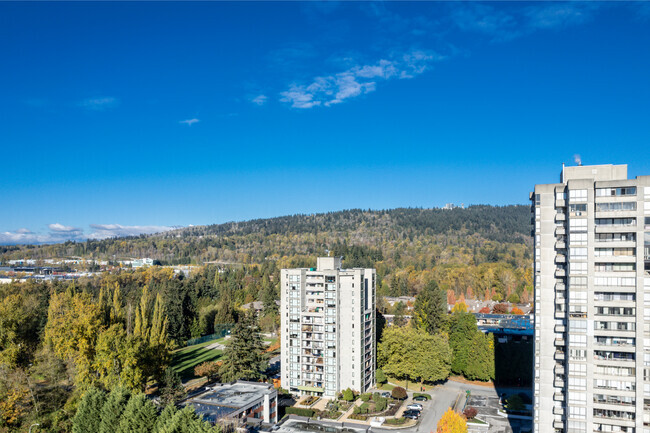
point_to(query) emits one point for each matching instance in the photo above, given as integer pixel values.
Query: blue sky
(122, 118)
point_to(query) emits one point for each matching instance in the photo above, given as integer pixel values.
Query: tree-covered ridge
(309, 235)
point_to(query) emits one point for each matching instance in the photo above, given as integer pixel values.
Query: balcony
(560, 231)
(560, 258)
(558, 424)
(560, 272)
(560, 328)
(558, 383)
(560, 217)
(559, 342)
(558, 396)
(559, 369)
(560, 245)
(558, 411)
(559, 355)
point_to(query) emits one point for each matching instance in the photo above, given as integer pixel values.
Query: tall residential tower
(592, 302)
(328, 328)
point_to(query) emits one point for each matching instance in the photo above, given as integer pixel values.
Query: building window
(612, 192)
(616, 207)
(578, 195)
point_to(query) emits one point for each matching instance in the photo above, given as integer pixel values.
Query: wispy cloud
(190, 122)
(260, 100)
(554, 15)
(61, 233)
(357, 80)
(99, 104)
(104, 231)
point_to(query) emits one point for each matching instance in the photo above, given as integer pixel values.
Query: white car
(414, 406)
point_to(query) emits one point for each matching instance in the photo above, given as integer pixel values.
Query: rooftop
(298, 426)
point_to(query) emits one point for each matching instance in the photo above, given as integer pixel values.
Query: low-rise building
(239, 401)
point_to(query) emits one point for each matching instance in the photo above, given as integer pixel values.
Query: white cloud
(357, 80)
(57, 227)
(103, 231)
(99, 103)
(557, 15)
(260, 100)
(190, 122)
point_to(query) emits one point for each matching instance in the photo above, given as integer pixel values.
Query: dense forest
(478, 249)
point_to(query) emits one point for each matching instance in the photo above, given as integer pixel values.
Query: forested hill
(260, 239)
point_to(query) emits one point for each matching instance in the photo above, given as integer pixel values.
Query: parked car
(411, 414)
(386, 394)
(419, 398)
(414, 406)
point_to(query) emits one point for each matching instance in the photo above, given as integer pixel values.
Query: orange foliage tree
(516, 310)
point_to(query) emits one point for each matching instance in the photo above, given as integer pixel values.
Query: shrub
(500, 309)
(470, 412)
(419, 394)
(380, 377)
(299, 411)
(517, 311)
(484, 310)
(365, 397)
(208, 369)
(515, 403)
(395, 421)
(399, 393)
(348, 395)
(380, 403)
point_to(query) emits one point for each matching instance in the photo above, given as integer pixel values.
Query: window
(560, 195)
(612, 192)
(578, 225)
(615, 237)
(578, 268)
(615, 281)
(577, 282)
(615, 207)
(577, 398)
(578, 239)
(578, 370)
(578, 325)
(578, 195)
(577, 412)
(577, 383)
(577, 340)
(615, 267)
(578, 253)
(614, 252)
(615, 222)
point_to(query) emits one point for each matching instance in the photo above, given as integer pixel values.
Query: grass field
(185, 359)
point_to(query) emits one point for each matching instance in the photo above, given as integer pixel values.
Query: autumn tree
(459, 307)
(452, 422)
(409, 353)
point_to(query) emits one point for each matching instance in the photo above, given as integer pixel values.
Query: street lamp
(30, 427)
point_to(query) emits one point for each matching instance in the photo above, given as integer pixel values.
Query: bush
(365, 397)
(513, 298)
(395, 421)
(399, 393)
(208, 369)
(380, 403)
(348, 395)
(515, 403)
(516, 311)
(500, 309)
(419, 394)
(380, 377)
(470, 412)
(299, 411)
(485, 310)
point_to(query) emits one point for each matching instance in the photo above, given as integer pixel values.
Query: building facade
(592, 302)
(328, 328)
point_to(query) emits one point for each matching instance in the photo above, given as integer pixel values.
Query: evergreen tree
(165, 417)
(172, 389)
(87, 419)
(139, 416)
(430, 309)
(113, 408)
(244, 357)
(186, 421)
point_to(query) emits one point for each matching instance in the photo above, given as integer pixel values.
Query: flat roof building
(328, 328)
(592, 302)
(238, 401)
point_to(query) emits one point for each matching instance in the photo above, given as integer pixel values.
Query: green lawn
(184, 360)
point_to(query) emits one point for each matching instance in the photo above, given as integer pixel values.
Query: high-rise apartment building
(328, 328)
(592, 302)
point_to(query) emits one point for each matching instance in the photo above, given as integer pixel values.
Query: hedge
(299, 411)
(417, 394)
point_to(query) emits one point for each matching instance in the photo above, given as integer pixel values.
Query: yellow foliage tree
(459, 307)
(452, 422)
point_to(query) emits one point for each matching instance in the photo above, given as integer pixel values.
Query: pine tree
(117, 311)
(430, 308)
(186, 421)
(165, 417)
(244, 357)
(139, 416)
(172, 390)
(87, 418)
(113, 408)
